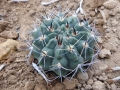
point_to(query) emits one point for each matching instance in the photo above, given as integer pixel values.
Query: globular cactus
(63, 44)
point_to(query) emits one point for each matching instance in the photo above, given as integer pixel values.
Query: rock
(113, 87)
(92, 13)
(84, 85)
(104, 53)
(114, 22)
(99, 40)
(29, 85)
(102, 7)
(59, 86)
(7, 48)
(70, 84)
(90, 82)
(114, 30)
(3, 25)
(94, 79)
(105, 12)
(82, 77)
(99, 67)
(15, 19)
(110, 4)
(88, 87)
(98, 86)
(40, 87)
(103, 78)
(9, 34)
(79, 85)
(32, 12)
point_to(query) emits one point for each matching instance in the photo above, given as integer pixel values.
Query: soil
(19, 16)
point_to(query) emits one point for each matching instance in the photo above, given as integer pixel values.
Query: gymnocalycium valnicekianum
(64, 45)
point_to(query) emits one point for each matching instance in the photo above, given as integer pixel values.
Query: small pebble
(88, 87)
(90, 82)
(79, 85)
(82, 77)
(98, 85)
(84, 85)
(104, 53)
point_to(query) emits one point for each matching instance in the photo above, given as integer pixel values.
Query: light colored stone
(79, 85)
(29, 85)
(103, 78)
(99, 40)
(105, 12)
(82, 77)
(113, 87)
(102, 7)
(98, 86)
(84, 85)
(90, 82)
(70, 84)
(114, 30)
(94, 79)
(15, 19)
(88, 87)
(104, 53)
(32, 12)
(110, 4)
(7, 48)
(92, 13)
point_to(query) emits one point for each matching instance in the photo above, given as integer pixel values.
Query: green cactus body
(63, 42)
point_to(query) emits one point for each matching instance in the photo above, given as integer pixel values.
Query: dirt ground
(18, 16)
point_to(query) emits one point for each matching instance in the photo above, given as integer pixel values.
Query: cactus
(63, 44)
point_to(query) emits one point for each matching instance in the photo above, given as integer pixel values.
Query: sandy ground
(19, 15)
